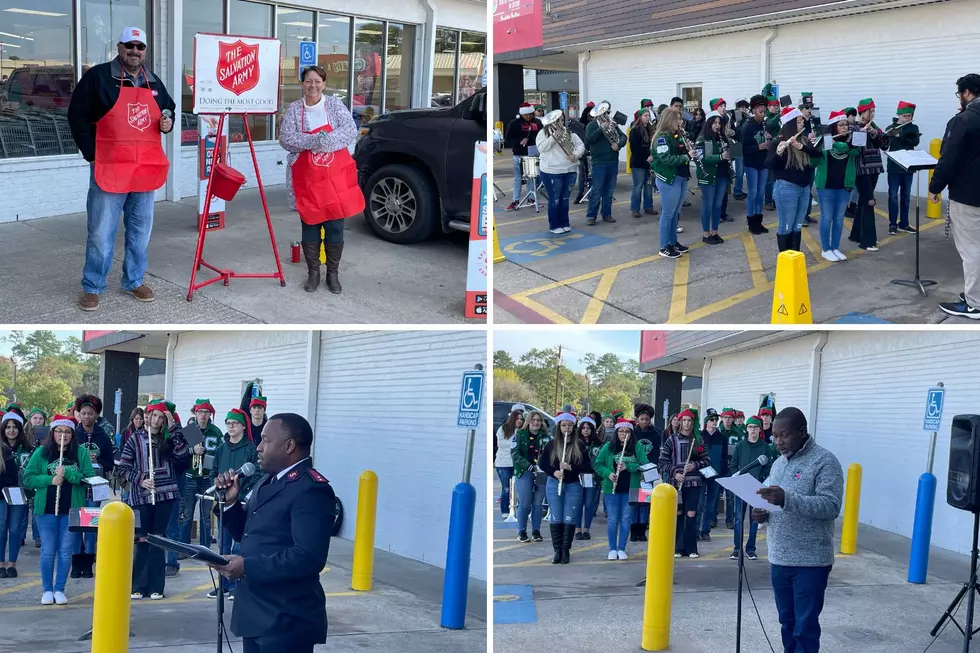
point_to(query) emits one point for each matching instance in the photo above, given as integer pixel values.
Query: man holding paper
(807, 484)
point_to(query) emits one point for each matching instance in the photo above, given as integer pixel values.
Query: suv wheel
(401, 204)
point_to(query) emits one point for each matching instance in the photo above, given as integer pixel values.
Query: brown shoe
(650, 211)
(636, 214)
(143, 293)
(88, 302)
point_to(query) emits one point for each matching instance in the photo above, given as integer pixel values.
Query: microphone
(245, 470)
(761, 461)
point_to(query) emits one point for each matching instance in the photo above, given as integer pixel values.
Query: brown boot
(334, 253)
(312, 253)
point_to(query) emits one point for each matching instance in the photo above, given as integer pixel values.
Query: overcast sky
(577, 343)
(60, 335)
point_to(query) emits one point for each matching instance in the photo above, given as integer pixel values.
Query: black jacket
(518, 130)
(651, 439)
(100, 444)
(577, 127)
(754, 144)
(777, 163)
(9, 477)
(906, 138)
(959, 162)
(284, 529)
(584, 466)
(639, 149)
(97, 92)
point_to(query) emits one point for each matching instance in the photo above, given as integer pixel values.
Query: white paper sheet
(95, 480)
(14, 496)
(828, 142)
(744, 486)
(859, 139)
(910, 158)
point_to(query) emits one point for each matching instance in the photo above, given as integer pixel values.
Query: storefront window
(207, 17)
(401, 63)
(250, 19)
(37, 77)
(444, 69)
(473, 58)
(103, 21)
(333, 54)
(368, 44)
(292, 27)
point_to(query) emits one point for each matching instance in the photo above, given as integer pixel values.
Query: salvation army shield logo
(323, 159)
(238, 66)
(139, 116)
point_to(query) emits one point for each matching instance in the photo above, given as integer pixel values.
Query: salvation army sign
(138, 116)
(235, 74)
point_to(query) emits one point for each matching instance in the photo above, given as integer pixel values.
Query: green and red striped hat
(755, 420)
(905, 108)
(717, 102)
(865, 105)
(259, 401)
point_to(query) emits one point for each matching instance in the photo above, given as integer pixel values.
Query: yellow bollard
(629, 169)
(323, 249)
(113, 579)
(367, 511)
(852, 502)
(498, 256)
(659, 589)
(791, 291)
(934, 210)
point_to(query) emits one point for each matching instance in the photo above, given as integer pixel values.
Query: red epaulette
(317, 476)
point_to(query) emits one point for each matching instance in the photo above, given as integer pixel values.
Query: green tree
(502, 361)
(35, 390)
(600, 368)
(31, 348)
(507, 386)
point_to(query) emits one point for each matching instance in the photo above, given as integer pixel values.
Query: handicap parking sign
(307, 56)
(934, 409)
(470, 399)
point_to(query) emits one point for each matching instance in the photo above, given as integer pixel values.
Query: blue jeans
(174, 531)
(755, 184)
(640, 514)
(729, 507)
(853, 199)
(791, 203)
(770, 181)
(618, 524)
(103, 220)
(193, 487)
(565, 507)
(740, 515)
(603, 185)
(712, 198)
(799, 593)
(559, 189)
(528, 504)
(709, 506)
(739, 174)
(642, 188)
(518, 175)
(11, 530)
(590, 505)
(228, 547)
(833, 204)
(505, 474)
(671, 199)
(84, 542)
(55, 542)
(899, 181)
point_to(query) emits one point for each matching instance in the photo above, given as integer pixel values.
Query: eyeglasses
(135, 46)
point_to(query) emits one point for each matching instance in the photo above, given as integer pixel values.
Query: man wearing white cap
(116, 115)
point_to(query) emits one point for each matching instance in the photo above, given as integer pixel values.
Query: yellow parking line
(811, 243)
(755, 261)
(678, 299)
(88, 606)
(78, 599)
(511, 547)
(541, 309)
(547, 558)
(21, 586)
(191, 592)
(598, 299)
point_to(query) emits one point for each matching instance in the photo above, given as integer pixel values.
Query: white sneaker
(559, 230)
(621, 555)
(566, 229)
(156, 596)
(60, 598)
(611, 556)
(47, 598)
(840, 255)
(873, 248)
(680, 230)
(693, 555)
(829, 256)
(505, 517)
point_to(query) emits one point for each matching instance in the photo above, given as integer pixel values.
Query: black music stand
(914, 168)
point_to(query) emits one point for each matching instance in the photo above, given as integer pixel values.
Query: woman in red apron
(321, 176)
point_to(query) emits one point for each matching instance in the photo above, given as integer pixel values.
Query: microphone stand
(220, 599)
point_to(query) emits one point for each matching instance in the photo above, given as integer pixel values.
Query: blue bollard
(458, 557)
(925, 502)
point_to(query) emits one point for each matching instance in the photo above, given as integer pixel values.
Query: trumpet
(609, 129)
(556, 129)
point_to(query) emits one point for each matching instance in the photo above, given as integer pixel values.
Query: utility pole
(588, 394)
(557, 378)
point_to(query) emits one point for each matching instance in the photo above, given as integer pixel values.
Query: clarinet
(692, 153)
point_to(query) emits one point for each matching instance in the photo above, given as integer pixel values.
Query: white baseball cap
(133, 34)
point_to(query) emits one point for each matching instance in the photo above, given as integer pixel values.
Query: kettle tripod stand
(969, 590)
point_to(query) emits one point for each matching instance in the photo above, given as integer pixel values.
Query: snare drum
(530, 166)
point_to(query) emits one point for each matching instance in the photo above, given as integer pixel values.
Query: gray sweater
(802, 535)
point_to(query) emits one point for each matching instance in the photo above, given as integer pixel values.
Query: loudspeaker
(963, 478)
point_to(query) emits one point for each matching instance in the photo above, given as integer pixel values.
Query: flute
(623, 453)
(564, 446)
(61, 463)
(680, 483)
(149, 448)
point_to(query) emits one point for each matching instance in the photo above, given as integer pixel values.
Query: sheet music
(744, 486)
(912, 158)
(859, 139)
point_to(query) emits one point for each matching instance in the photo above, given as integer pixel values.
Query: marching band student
(772, 128)
(605, 168)
(835, 175)
(153, 491)
(681, 456)
(558, 175)
(649, 438)
(809, 127)
(578, 127)
(522, 132)
(852, 115)
(502, 461)
(92, 435)
(13, 518)
(869, 167)
(695, 126)
(530, 493)
(589, 437)
(671, 166)
(539, 111)
(713, 176)
(755, 148)
(640, 142)
(257, 408)
(562, 460)
(58, 463)
(789, 160)
(673, 425)
(746, 451)
(732, 437)
(738, 118)
(618, 465)
(904, 136)
(765, 414)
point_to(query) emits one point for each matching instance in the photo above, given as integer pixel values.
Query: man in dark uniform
(284, 529)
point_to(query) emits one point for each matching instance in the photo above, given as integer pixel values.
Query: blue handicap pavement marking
(528, 248)
(514, 604)
(860, 318)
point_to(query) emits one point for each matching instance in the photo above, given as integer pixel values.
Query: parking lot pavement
(40, 275)
(402, 611)
(592, 604)
(612, 273)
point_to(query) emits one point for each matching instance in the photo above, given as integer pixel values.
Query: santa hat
(687, 413)
(624, 424)
(565, 417)
(14, 416)
(203, 404)
(61, 420)
(517, 408)
(836, 116)
(755, 420)
(525, 109)
(589, 105)
(789, 114)
(717, 102)
(587, 420)
(262, 401)
(905, 108)
(713, 114)
(865, 105)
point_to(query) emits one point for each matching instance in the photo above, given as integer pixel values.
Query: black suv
(416, 169)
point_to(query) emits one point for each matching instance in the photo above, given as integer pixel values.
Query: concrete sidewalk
(402, 611)
(40, 275)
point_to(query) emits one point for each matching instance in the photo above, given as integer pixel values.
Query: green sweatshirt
(840, 151)
(711, 162)
(606, 461)
(212, 440)
(668, 153)
(39, 476)
(599, 146)
(520, 451)
(232, 456)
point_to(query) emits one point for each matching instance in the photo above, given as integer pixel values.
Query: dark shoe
(892, 230)
(586, 536)
(808, 220)
(523, 538)
(727, 218)
(740, 196)
(752, 556)
(633, 535)
(669, 252)
(771, 206)
(729, 525)
(76, 566)
(705, 537)
(335, 252)
(536, 536)
(3, 572)
(686, 203)
(609, 218)
(88, 301)
(143, 293)
(12, 572)
(753, 225)
(567, 543)
(578, 200)
(311, 251)
(171, 571)
(650, 211)
(908, 229)
(557, 537)
(762, 228)
(681, 249)
(578, 536)
(718, 239)
(641, 532)
(590, 222)
(962, 297)
(960, 309)
(87, 561)
(733, 556)
(637, 214)
(37, 544)
(783, 242)
(511, 207)
(795, 240)
(708, 240)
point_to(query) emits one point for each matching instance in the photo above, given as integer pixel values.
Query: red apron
(129, 157)
(325, 184)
